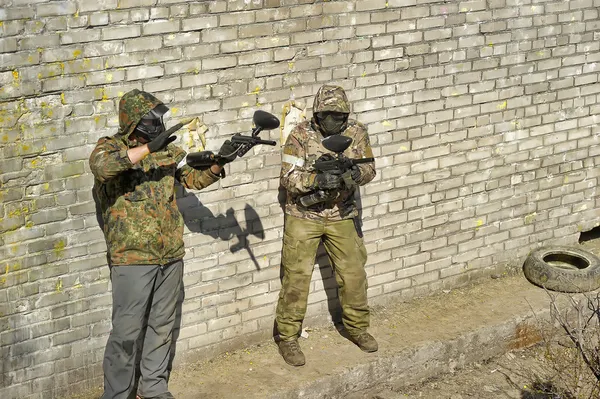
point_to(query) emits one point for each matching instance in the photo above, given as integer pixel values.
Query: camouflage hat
(133, 106)
(331, 98)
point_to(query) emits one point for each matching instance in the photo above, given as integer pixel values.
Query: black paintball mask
(151, 124)
(331, 122)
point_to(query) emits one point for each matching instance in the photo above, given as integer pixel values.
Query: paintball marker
(262, 121)
(339, 163)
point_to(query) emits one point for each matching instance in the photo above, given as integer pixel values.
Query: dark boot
(291, 352)
(365, 341)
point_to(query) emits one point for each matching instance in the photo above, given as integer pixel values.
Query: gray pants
(137, 290)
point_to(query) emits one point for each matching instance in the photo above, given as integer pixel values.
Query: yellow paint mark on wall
(386, 123)
(3, 279)
(99, 93)
(503, 105)
(174, 110)
(109, 77)
(59, 285)
(528, 219)
(18, 212)
(29, 224)
(15, 75)
(256, 90)
(76, 53)
(62, 99)
(59, 248)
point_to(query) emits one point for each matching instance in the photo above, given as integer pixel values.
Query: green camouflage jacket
(303, 147)
(142, 224)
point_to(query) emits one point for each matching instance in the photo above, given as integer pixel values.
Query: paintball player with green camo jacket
(135, 173)
(334, 222)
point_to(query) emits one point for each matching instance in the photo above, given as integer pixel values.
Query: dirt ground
(519, 374)
(509, 376)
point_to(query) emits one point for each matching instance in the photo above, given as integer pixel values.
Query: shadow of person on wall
(200, 219)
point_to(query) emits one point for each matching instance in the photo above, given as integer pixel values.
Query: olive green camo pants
(347, 254)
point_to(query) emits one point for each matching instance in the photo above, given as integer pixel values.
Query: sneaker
(365, 341)
(291, 352)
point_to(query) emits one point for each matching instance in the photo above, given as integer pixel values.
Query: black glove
(227, 153)
(328, 181)
(163, 140)
(355, 173)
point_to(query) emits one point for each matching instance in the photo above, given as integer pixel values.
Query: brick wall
(483, 117)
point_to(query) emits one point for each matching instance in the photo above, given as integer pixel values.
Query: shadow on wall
(200, 219)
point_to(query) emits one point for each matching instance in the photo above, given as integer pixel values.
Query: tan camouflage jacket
(142, 224)
(302, 148)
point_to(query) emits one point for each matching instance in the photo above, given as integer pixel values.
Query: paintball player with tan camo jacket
(334, 222)
(135, 173)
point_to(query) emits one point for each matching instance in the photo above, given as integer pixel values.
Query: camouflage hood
(132, 107)
(331, 98)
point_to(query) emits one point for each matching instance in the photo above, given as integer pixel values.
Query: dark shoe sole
(367, 350)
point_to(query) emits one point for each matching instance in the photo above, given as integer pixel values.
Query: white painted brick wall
(483, 117)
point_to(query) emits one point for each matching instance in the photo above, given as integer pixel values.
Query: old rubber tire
(564, 269)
